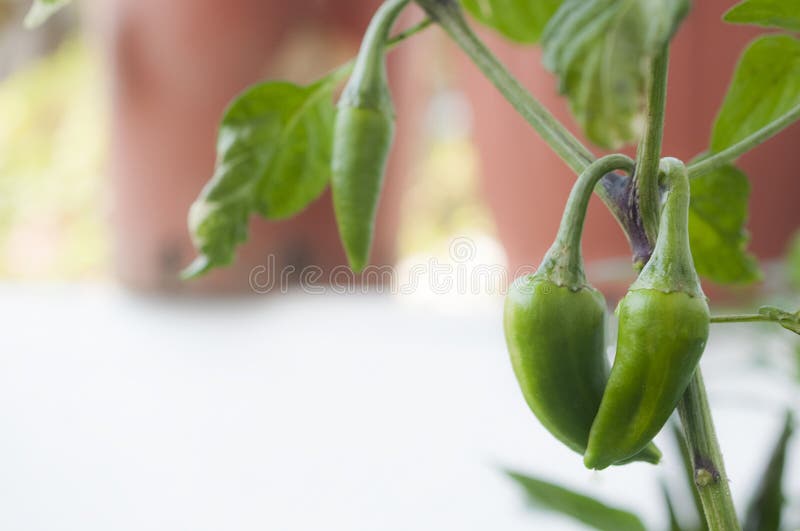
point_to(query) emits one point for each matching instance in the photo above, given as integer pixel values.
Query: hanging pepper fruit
(555, 327)
(663, 329)
(363, 134)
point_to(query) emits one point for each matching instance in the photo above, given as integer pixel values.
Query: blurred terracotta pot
(174, 68)
(527, 185)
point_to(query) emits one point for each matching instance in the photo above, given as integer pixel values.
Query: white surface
(300, 413)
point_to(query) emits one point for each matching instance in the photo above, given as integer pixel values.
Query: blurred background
(132, 400)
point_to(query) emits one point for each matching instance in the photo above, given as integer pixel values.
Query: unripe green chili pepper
(363, 134)
(555, 327)
(663, 329)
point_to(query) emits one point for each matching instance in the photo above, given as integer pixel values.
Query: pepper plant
(280, 145)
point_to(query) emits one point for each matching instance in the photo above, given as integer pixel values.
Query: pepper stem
(367, 88)
(563, 263)
(671, 267)
(709, 474)
(649, 152)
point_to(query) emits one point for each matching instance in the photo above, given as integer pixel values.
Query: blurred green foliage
(52, 143)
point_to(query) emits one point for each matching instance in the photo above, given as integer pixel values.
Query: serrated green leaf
(583, 508)
(41, 10)
(717, 216)
(519, 20)
(766, 506)
(273, 158)
(784, 14)
(601, 51)
(765, 86)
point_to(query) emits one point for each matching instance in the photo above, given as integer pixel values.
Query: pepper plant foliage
(275, 139)
(521, 21)
(278, 143)
(274, 152)
(600, 51)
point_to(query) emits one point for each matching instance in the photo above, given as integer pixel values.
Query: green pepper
(363, 134)
(555, 327)
(663, 329)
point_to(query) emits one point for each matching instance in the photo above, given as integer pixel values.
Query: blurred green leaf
(674, 523)
(770, 13)
(764, 511)
(273, 158)
(582, 508)
(601, 51)
(52, 224)
(765, 86)
(519, 20)
(41, 10)
(717, 236)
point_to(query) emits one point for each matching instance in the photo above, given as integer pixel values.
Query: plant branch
(766, 314)
(649, 151)
(710, 478)
(410, 32)
(342, 71)
(447, 13)
(616, 190)
(726, 156)
(688, 469)
(740, 318)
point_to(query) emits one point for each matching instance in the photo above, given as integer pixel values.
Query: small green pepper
(663, 329)
(555, 327)
(363, 134)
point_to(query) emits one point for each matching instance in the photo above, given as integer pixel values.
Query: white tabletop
(302, 412)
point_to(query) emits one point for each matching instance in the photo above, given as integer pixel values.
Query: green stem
(726, 156)
(671, 267)
(447, 13)
(740, 318)
(710, 478)
(410, 32)
(688, 469)
(563, 261)
(342, 71)
(367, 86)
(649, 151)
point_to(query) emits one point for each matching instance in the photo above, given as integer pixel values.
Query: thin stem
(563, 261)
(710, 478)
(671, 267)
(572, 221)
(741, 318)
(614, 190)
(448, 15)
(367, 86)
(342, 71)
(649, 151)
(410, 32)
(717, 160)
